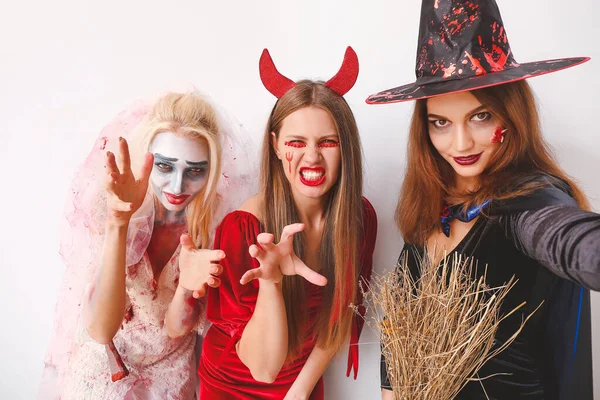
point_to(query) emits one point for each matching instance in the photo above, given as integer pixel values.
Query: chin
(313, 192)
(467, 171)
(174, 207)
(472, 173)
(312, 195)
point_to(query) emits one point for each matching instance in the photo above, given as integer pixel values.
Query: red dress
(230, 307)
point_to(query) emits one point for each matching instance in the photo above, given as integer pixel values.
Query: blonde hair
(191, 116)
(343, 218)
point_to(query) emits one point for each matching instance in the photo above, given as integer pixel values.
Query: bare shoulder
(253, 206)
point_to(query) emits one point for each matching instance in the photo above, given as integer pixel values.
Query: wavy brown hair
(343, 217)
(429, 179)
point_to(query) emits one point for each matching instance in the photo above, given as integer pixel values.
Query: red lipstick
(176, 199)
(312, 182)
(468, 160)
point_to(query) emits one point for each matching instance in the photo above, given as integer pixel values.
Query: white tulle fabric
(76, 367)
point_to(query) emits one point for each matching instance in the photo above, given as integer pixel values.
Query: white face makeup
(309, 149)
(180, 169)
(462, 130)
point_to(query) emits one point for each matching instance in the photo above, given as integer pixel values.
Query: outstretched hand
(125, 192)
(198, 267)
(277, 260)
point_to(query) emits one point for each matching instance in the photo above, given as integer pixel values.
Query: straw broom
(438, 330)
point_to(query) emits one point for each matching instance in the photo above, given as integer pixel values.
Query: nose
(312, 153)
(178, 184)
(463, 140)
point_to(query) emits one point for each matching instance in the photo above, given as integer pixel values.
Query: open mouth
(468, 160)
(176, 199)
(313, 176)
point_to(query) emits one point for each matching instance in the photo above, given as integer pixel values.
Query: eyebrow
(190, 163)
(197, 163)
(163, 158)
(332, 136)
(473, 111)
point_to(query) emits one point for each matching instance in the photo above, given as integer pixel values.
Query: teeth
(312, 175)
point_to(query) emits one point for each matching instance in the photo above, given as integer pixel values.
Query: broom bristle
(438, 330)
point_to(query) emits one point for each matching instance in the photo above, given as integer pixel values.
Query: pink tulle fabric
(76, 367)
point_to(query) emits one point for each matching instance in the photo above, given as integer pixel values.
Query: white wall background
(68, 67)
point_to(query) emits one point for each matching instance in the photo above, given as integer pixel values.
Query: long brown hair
(429, 179)
(343, 217)
(189, 115)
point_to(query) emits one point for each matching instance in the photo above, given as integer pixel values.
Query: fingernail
(120, 139)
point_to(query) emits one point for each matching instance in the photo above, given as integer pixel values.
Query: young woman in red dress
(296, 253)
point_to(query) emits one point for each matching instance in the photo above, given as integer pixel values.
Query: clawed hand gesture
(198, 267)
(125, 192)
(277, 260)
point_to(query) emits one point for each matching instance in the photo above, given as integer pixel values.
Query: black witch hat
(463, 46)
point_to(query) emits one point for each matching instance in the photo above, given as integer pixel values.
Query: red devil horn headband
(343, 81)
(278, 84)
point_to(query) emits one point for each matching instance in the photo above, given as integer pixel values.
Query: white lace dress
(76, 367)
(159, 367)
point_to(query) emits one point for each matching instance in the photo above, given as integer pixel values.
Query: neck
(310, 210)
(162, 216)
(466, 184)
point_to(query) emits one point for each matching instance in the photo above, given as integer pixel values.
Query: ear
(275, 144)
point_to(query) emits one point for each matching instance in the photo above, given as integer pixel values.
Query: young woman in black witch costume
(481, 181)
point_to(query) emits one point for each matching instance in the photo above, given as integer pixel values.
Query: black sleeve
(563, 238)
